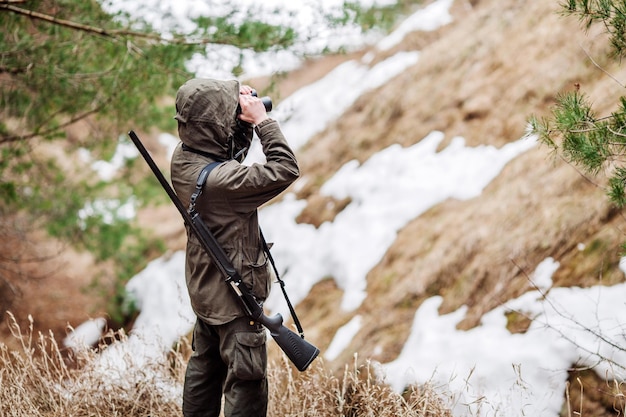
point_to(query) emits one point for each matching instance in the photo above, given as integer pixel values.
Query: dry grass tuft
(40, 379)
(358, 392)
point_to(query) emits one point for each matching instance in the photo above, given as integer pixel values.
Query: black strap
(282, 285)
(204, 174)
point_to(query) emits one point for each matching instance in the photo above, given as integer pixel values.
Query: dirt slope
(479, 77)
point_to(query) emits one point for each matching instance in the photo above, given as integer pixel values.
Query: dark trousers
(228, 359)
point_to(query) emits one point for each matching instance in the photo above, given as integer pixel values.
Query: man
(215, 123)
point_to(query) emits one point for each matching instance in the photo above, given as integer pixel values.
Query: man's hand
(252, 108)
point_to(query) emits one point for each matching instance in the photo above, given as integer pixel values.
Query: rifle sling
(266, 248)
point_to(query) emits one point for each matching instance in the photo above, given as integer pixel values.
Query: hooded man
(216, 120)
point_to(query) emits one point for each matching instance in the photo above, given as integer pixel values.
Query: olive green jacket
(206, 114)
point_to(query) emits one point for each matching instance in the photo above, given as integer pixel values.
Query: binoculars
(267, 102)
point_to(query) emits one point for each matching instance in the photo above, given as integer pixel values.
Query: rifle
(298, 350)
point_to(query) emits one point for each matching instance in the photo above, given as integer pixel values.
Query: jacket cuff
(261, 126)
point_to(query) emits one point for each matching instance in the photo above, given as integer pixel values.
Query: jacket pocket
(257, 276)
(250, 356)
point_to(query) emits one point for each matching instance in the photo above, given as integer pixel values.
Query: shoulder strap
(204, 174)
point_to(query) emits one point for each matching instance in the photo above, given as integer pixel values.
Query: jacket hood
(206, 111)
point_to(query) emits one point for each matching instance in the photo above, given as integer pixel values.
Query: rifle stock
(300, 352)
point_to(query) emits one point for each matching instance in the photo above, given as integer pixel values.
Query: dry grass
(39, 379)
(358, 392)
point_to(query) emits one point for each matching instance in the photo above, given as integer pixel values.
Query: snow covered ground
(489, 371)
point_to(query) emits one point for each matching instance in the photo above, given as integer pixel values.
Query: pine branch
(600, 67)
(51, 19)
(114, 34)
(15, 138)
(13, 71)
(616, 133)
